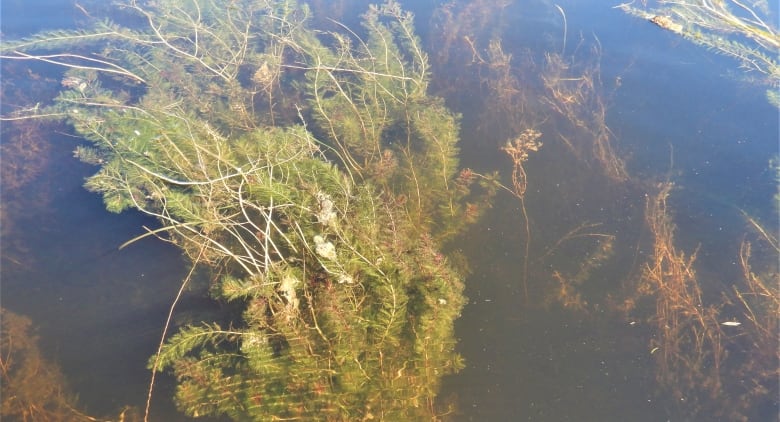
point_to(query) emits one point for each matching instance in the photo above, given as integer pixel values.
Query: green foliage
(312, 174)
(188, 339)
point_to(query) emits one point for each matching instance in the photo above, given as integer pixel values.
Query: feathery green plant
(309, 171)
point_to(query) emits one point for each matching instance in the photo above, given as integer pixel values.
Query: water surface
(677, 112)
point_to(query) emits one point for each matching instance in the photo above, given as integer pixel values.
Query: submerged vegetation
(714, 356)
(307, 168)
(33, 388)
(309, 171)
(704, 340)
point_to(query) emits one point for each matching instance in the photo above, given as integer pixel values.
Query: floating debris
(324, 248)
(666, 22)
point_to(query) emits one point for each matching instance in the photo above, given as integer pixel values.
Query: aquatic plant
(711, 362)
(480, 75)
(564, 99)
(734, 28)
(574, 91)
(26, 152)
(700, 362)
(308, 170)
(33, 388)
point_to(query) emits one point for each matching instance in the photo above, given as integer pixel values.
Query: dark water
(679, 112)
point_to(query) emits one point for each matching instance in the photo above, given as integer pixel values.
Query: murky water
(676, 112)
